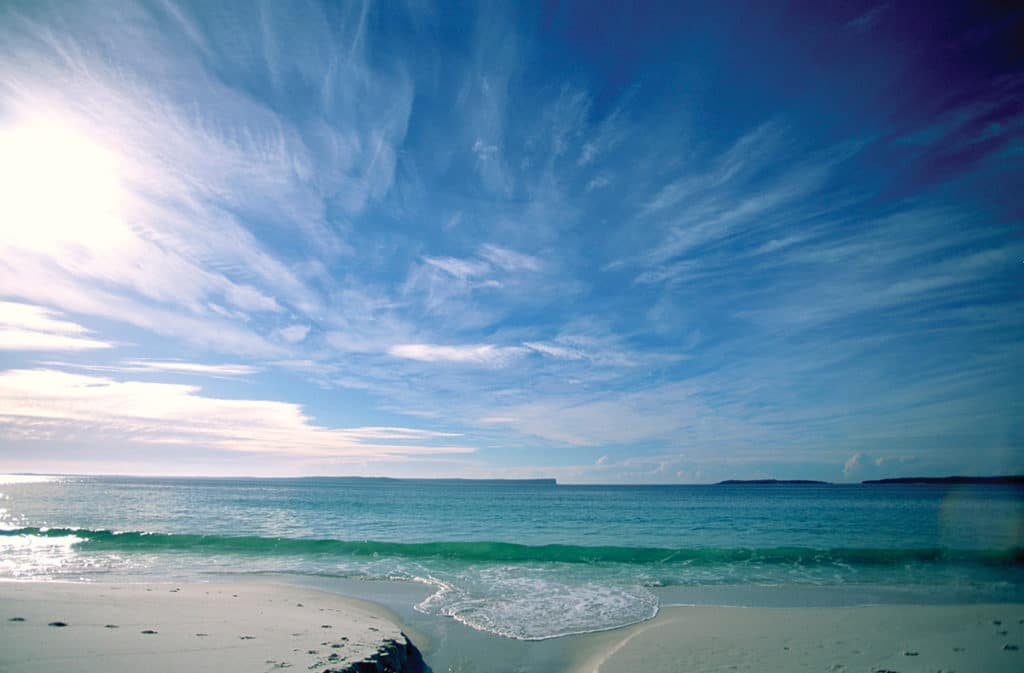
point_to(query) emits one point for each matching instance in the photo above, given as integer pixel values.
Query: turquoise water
(527, 560)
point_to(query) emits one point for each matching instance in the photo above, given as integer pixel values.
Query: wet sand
(890, 638)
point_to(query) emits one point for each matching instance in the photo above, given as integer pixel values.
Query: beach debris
(58, 623)
(1010, 647)
(175, 590)
(148, 632)
(16, 619)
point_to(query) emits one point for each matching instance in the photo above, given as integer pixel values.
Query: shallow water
(532, 560)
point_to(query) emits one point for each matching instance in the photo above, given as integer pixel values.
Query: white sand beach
(108, 627)
(115, 628)
(891, 638)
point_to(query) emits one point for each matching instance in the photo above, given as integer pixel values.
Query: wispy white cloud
(55, 405)
(294, 334)
(509, 260)
(33, 328)
(189, 367)
(459, 268)
(169, 178)
(479, 354)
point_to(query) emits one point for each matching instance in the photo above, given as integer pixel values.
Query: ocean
(529, 560)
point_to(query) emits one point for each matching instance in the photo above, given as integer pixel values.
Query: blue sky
(673, 243)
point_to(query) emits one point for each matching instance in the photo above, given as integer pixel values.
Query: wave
(507, 552)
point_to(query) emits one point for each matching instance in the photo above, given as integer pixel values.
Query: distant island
(1016, 480)
(731, 482)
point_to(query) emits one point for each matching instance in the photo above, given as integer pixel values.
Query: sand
(901, 639)
(113, 628)
(260, 627)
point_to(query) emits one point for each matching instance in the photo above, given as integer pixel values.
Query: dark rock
(1010, 647)
(58, 623)
(326, 626)
(16, 619)
(111, 626)
(149, 632)
(202, 635)
(997, 622)
(392, 657)
(247, 637)
(910, 654)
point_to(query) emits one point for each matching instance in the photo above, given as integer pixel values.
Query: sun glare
(60, 189)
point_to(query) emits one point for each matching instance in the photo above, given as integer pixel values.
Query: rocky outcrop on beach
(393, 656)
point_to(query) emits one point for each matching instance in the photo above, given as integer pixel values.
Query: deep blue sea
(527, 560)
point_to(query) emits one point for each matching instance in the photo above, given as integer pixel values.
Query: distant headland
(1015, 479)
(729, 482)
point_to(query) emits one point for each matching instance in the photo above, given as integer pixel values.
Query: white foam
(531, 603)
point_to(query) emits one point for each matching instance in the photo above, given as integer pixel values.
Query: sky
(669, 242)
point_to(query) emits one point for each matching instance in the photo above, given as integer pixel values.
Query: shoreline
(264, 625)
(228, 627)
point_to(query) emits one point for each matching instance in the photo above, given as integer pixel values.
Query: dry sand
(892, 638)
(113, 628)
